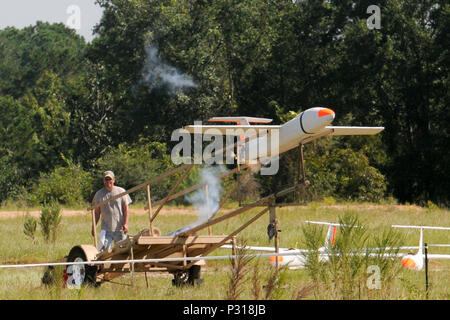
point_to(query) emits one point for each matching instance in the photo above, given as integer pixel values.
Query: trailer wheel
(190, 277)
(180, 278)
(79, 274)
(194, 275)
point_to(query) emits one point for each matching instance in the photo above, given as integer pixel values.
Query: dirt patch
(68, 212)
(191, 211)
(15, 214)
(380, 207)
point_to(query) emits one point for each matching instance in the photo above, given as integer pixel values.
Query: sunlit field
(25, 283)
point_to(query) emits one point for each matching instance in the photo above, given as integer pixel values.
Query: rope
(264, 255)
(32, 265)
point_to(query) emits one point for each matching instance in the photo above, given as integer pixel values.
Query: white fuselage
(307, 123)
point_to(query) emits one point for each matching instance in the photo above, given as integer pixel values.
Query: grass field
(26, 283)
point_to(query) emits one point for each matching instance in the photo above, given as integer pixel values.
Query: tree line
(70, 109)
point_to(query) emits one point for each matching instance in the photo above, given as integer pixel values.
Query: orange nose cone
(325, 112)
(408, 263)
(274, 259)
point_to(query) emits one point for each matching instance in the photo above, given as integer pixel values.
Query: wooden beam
(160, 267)
(184, 255)
(149, 204)
(194, 188)
(179, 240)
(208, 206)
(228, 195)
(94, 227)
(172, 251)
(142, 185)
(233, 252)
(132, 265)
(188, 169)
(228, 215)
(230, 236)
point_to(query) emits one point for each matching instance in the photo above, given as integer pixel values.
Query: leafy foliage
(49, 221)
(134, 164)
(61, 98)
(69, 185)
(34, 50)
(343, 272)
(345, 174)
(30, 226)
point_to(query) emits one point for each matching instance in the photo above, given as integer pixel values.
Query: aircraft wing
(350, 131)
(253, 248)
(241, 120)
(435, 256)
(343, 131)
(235, 130)
(265, 249)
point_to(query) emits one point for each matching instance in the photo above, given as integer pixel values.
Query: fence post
(149, 204)
(94, 227)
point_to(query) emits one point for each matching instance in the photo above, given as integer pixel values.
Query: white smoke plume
(158, 74)
(205, 203)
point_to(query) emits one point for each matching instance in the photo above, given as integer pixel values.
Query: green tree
(16, 145)
(31, 51)
(63, 98)
(39, 65)
(51, 122)
(91, 116)
(397, 76)
(134, 164)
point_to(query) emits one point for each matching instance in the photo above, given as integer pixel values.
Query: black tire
(180, 278)
(194, 275)
(190, 277)
(49, 276)
(80, 275)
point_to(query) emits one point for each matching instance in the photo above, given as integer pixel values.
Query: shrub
(20, 198)
(345, 174)
(432, 206)
(343, 273)
(239, 271)
(30, 226)
(329, 201)
(69, 185)
(49, 221)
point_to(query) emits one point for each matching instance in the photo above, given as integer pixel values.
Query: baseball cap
(108, 174)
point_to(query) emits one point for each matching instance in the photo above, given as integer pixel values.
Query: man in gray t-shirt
(114, 213)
